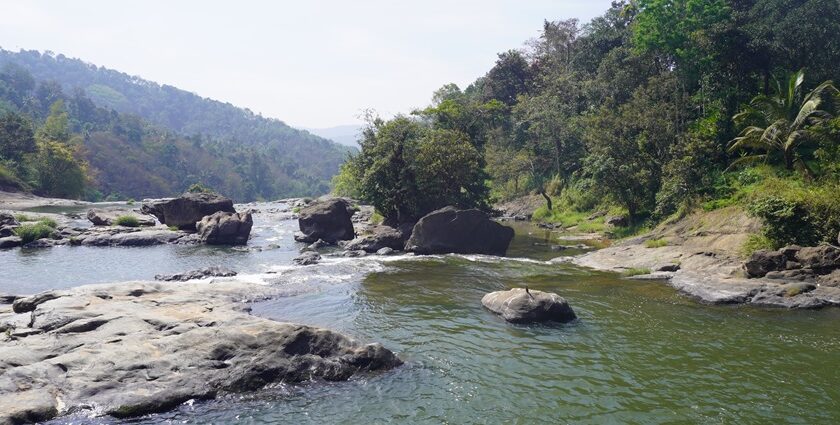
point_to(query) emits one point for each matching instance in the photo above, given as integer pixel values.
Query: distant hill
(291, 162)
(347, 135)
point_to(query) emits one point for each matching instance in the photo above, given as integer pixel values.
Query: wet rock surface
(519, 305)
(307, 258)
(214, 271)
(139, 347)
(449, 230)
(378, 237)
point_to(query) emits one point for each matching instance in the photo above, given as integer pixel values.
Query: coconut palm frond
(747, 159)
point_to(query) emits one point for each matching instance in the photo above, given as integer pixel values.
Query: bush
(795, 212)
(127, 221)
(48, 222)
(199, 188)
(34, 231)
(23, 218)
(656, 243)
(131, 201)
(755, 243)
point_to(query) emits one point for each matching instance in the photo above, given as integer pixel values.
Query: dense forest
(124, 137)
(652, 110)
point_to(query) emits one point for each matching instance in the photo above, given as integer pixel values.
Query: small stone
(307, 258)
(385, 251)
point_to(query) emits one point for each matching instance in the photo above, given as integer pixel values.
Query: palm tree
(780, 123)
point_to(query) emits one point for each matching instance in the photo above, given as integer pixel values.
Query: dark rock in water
(763, 261)
(790, 295)
(565, 247)
(355, 253)
(108, 217)
(225, 228)
(328, 219)
(519, 306)
(307, 258)
(319, 244)
(213, 271)
(43, 243)
(380, 237)
(616, 220)
(137, 348)
(10, 242)
(188, 209)
(449, 230)
(7, 219)
(385, 251)
(7, 298)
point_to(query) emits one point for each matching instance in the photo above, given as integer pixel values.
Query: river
(639, 353)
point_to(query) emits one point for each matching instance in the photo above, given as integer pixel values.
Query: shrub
(794, 212)
(635, 272)
(755, 243)
(131, 201)
(48, 222)
(656, 243)
(34, 231)
(127, 221)
(376, 218)
(23, 218)
(199, 188)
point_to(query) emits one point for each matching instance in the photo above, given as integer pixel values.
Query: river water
(639, 353)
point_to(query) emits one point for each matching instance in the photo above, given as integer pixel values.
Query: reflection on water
(639, 353)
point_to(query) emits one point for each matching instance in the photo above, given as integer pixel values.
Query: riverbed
(639, 353)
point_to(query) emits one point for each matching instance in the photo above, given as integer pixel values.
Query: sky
(310, 63)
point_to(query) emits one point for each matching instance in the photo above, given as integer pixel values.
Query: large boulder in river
(188, 209)
(449, 230)
(327, 219)
(225, 228)
(108, 217)
(520, 305)
(379, 237)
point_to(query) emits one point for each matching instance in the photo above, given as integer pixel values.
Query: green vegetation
(34, 231)
(635, 272)
(23, 218)
(655, 243)
(130, 201)
(755, 243)
(48, 222)
(123, 137)
(127, 221)
(650, 110)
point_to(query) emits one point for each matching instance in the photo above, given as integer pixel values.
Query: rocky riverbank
(133, 348)
(701, 258)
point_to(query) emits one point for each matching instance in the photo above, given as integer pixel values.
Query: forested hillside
(135, 138)
(651, 110)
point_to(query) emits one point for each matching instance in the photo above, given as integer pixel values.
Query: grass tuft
(127, 221)
(635, 272)
(656, 243)
(32, 232)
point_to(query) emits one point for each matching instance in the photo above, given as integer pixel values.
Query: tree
(780, 124)
(56, 128)
(59, 173)
(16, 137)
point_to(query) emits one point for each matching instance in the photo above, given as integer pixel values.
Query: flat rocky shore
(134, 348)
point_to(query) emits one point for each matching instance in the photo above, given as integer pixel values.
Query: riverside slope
(133, 348)
(705, 247)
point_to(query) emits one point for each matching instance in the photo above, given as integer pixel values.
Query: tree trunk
(547, 200)
(788, 161)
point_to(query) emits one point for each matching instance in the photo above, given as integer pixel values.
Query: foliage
(48, 222)
(59, 173)
(655, 243)
(199, 188)
(754, 243)
(346, 182)
(34, 231)
(780, 124)
(795, 212)
(24, 218)
(408, 169)
(127, 221)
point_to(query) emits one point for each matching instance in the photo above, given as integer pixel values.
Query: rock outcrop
(188, 209)
(136, 348)
(307, 258)
(7, 219)
(10, 242)
(213, 271)
(225, 228)
(520, 305)
(793, 262)
(108, 217)
(327, 219)
(133, 238)
(449, 230)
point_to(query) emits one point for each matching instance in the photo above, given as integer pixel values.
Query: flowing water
(639, 353)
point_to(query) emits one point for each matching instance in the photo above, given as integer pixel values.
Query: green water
(639, 353)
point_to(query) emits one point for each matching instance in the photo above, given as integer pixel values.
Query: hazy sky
(309, 63)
